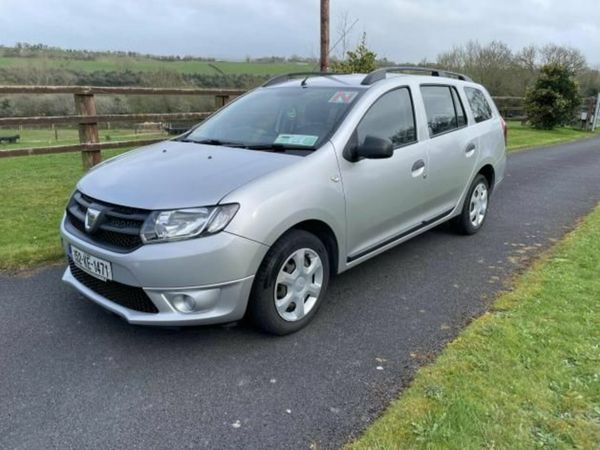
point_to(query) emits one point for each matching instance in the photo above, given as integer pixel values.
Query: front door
(384, 197)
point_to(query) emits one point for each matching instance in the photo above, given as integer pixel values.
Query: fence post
(221, 100)
(85, 105)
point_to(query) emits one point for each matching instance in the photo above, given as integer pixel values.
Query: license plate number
(96, 267)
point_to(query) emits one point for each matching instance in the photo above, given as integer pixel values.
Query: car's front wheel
(290, 284)
(475, 208)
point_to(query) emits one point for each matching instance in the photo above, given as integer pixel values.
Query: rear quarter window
(479, 105)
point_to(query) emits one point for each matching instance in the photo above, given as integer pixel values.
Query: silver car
(254, 210)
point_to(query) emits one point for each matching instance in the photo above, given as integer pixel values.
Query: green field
(523, 136)
(525, 375)
(141, 64)
(35, 191)
(46, 137)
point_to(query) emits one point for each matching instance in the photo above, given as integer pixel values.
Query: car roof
(330, 79)
(354, 80)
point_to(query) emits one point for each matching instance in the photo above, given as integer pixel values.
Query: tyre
(290, 284)
(475, 209)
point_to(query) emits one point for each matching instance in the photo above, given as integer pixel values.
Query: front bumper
(217, 271)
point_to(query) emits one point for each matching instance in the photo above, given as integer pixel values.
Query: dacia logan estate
(253, 211)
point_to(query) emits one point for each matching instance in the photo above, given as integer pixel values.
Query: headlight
(181, 224)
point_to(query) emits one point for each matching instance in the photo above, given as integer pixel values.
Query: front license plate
(97, 267)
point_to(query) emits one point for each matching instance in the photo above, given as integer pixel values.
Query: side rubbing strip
(398, 237)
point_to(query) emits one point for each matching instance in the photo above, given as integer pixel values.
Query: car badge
(91, 219)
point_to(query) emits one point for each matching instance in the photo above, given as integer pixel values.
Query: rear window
(479, 105)
(443, 108)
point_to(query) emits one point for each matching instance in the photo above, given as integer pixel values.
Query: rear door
(451, 146)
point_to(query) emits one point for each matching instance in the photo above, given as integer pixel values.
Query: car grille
(127, 296)
(120, 226)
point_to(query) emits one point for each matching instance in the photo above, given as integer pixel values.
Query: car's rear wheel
(290, 284)
(475, 208)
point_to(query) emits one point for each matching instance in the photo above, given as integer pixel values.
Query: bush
(554, 98)
(361, 60)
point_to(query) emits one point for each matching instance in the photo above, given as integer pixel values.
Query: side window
(390, 117)
(461, 117)
(479, 104)
(439, 107)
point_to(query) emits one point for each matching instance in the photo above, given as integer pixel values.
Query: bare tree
(508, 73)
(568, 57)
(527, 58)
(489, 64)
(343, 30)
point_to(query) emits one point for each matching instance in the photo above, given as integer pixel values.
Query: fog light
(184, 303)
(189, 300)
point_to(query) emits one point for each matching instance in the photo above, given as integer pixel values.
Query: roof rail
(289, 76)
(380, 74)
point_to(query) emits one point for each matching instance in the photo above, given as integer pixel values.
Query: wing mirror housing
(372, 148)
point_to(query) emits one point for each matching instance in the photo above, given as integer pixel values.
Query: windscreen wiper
(279, 147)
(213, 142)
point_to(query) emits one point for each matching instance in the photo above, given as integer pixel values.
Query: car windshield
(278, 118)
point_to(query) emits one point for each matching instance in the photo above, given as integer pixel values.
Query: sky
(401, 30)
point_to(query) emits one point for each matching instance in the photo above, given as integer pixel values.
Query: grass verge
(524, 375)
(34, 192)
(523, 136)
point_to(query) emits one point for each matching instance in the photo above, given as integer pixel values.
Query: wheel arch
(326, 235)
(490, 175)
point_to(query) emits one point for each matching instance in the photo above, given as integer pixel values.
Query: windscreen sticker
(297, 139)
(343, 97)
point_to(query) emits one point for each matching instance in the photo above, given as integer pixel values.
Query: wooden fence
(87, 119)
(511, 108)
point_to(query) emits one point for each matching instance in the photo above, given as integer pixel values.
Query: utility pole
(324, 35)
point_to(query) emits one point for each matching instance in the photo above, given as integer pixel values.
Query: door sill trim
(393, 239)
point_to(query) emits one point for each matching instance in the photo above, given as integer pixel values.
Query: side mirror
(372, 148)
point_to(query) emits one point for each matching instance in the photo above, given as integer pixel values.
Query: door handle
(418, 168)
(470, 149)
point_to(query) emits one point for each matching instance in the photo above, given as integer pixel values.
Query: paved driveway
(73, 376)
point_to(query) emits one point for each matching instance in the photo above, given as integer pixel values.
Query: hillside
(41, 65)
(23, 57)
(146, 64)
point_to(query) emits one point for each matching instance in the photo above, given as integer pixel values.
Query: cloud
(401, 30)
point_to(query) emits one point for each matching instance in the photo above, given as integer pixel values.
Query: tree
(361, 60)
(489, 64)
(504, 72)
(554, 98)
(568, 57)
(589, 82)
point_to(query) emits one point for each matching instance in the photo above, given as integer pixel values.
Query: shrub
(361, 60)
(554, 98)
